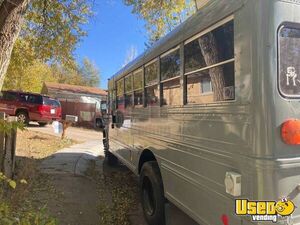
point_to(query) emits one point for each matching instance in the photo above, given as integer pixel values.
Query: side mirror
(114, 119)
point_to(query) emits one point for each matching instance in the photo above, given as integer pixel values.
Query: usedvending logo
(264, 210)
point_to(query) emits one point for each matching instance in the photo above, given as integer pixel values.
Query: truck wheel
(23, 117)
(152, 194)
(111, 159)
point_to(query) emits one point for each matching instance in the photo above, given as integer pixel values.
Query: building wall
(85, 106)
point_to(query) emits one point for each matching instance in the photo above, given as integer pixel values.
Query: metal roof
(75, 88)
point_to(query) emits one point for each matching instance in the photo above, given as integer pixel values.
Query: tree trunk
(11, 18)
(208, 45)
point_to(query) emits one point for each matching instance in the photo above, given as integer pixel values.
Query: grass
(32, 144)
(117, 187)
(118, 196)
(21, 205)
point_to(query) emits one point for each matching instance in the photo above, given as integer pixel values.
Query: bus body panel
(195, 145)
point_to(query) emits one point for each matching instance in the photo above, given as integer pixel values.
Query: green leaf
(12, 184)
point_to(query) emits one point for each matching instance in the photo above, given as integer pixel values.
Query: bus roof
(213, 12)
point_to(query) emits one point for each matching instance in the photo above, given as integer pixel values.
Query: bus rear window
(289, 60)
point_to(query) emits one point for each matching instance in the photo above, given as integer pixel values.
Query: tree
(11, 18)
(161, 16)
(131, 54)
(52, 28)
(90, 73)
(26, 73)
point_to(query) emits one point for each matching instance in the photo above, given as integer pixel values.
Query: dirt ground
(74, 133)
(37, 145)
(74, 185)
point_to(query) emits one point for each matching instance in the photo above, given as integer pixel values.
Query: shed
(81, 101)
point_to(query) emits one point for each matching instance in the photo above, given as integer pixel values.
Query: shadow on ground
(81, 189)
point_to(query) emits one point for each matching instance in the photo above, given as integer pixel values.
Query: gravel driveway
(75, 133)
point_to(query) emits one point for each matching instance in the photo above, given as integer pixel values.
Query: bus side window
(170, 77)
(209, 66)
(128, 92)
(151, 83)
(120, 94)
(138, 88)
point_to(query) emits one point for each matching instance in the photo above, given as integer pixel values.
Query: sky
(113, 33)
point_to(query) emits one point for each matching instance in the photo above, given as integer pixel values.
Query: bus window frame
(130, 92)
(166, 54)
(182, 75)
(159, 95)
(285, 24)
(110, 95)
(142, 89)
(126, 77)
(157, 61)
(136, 72)
(121, 95)
(232, 60)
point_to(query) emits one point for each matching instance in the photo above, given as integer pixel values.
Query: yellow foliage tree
(25, 72)
(162, 16)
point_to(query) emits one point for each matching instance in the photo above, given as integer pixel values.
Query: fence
(8, 148)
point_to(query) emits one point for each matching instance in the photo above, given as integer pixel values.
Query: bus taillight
(290, 132)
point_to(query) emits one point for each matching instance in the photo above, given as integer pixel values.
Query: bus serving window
(289, 60)
(209, 66)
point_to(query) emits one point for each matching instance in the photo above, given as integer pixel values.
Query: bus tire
(152, 194)
(111, 159)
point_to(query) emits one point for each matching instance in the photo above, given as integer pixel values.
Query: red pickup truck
(30, 107)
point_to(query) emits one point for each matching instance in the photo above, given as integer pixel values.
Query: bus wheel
(111, 159)
(152, 194)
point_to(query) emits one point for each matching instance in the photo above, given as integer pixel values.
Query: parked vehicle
(209, 117)
(30, 107)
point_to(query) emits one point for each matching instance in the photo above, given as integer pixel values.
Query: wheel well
(146, 156)
(21, 110)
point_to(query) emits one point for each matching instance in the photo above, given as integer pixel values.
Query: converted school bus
(215, 100)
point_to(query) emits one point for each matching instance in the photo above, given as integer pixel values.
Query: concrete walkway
(69, 171)
(75, 160)
(66, 169)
